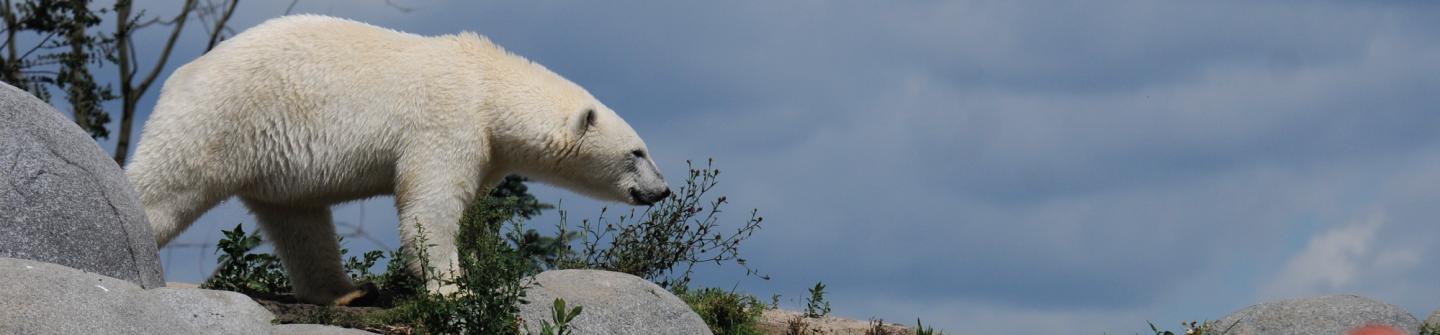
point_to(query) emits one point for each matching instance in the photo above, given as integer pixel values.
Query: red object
(1376, 330)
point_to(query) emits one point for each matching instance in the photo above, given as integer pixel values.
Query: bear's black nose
(648, 198)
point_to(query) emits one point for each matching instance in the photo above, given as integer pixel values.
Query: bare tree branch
(398, 7)
(215, 34)
(169, 46)
(139, 25)
(131, 91)
(38, 45)
(291, 7)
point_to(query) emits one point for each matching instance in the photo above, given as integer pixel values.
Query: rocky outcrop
(612, 302)
(1336, 314)
(777, 321)
(44, 298)
(64, 201)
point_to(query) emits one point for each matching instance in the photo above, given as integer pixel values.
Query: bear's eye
(638, 154)
(590, 117)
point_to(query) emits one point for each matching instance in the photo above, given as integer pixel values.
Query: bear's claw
(361, 296)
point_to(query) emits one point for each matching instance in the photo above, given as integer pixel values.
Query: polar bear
(304, 112)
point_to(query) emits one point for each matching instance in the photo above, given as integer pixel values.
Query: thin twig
(169, 46)
(400, 8)
(291, 7)
(37, 46)
(220, 25)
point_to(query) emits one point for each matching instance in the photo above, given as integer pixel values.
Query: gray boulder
(64, 201)
(612, 303)
(1434, 319)
(1335, 314)
(44, 298)
(309, 329)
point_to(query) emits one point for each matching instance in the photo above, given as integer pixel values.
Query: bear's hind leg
(172, 211)
(304, 238)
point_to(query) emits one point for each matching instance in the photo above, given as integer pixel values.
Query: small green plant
(560, 317)
(815, 305)
(359, 267)
(798, 326)
(398, 280)
(726, 312)
(1430, 329)
(1191, 328)
(921, 329)
(876, 327)
(243, 270)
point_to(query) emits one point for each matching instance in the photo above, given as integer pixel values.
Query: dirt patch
(367, 318)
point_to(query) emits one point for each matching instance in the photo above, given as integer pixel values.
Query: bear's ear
(584, 121)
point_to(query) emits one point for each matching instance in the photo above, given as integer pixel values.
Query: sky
(997, 167)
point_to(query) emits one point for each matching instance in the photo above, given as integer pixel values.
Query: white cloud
(1343, 258)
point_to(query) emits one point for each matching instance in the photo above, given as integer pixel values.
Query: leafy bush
(815, 305)
(726, 312)
(489, 281)
(242, 269)
(1430, 329)
(245, 271)
(655, 243)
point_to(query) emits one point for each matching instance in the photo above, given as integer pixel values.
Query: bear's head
(559, 134)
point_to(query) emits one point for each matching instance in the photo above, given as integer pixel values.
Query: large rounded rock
(1336, 314)
(44, 298)
(64, 201)
(612, 303)
(1434, 320)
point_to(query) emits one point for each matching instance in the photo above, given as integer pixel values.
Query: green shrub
(815, 305)
(489, 281)
(240, 269)
(664, 242)
(726, 312)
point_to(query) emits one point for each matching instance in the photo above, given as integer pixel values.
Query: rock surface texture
(1335, 314)
(307, 329)
(44, 298)
(1434, 319)
(612, 302)
(64, 201)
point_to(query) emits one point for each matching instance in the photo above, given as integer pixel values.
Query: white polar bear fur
(303, 112)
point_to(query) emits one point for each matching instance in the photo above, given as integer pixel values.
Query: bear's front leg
(430, 204)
